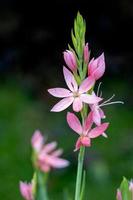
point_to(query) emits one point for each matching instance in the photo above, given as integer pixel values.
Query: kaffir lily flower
(86, 53)
(76, 96)
(97, 112)
(118, 195)
(96, 67)
(70, 60)
(85, 131)
(48, 157)
(26, 190)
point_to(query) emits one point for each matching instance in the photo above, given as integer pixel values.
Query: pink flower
(37, 141)
(118, 195)
(96, 67)
(85, 131)
(48, 156)
(70, 60)
(26, 190)
(76, 96)
(97, 112)
(86, 53)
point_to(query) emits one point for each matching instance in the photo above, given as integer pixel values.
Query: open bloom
(96, 67)
(26, 190)
(74, 95)
(86, 53)
(85, 132)
(70, 60)
(97, 112)
(48, 156)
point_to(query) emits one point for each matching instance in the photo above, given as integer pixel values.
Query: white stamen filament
(115, 102)
(98, 89)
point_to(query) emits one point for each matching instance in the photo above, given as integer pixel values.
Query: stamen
(98, 89)
(101, 94)
(109, 99)
(115, 102)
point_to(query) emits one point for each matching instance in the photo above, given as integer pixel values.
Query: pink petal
(86, 141)
(90, 99)
(77, 104)
(63, 104)
(74, 123)
(102, 113)
(56, 162)
(47, 149)
(86, 85)
(70, 60)
(60, 92)
(92, 66)
(96, 117)
(98, 73)
(26, 190)
(78, 144)
(88, 123)
(119, 196)
(37, 141)
(57, 153)
(70, 80)
(99, 130)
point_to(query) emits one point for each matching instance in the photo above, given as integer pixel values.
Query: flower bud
(86, 53)
(96, 67)
(26, 190)
(118, 195)
(70, 60)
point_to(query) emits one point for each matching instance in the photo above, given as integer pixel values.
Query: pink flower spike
(86, 53)
(76, 96)
(74, 123)
(70, 60)
(96, 68)
(118, 195)
(37, 141)
(26, 190)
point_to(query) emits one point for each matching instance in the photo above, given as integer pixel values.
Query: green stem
(41, 186)
(79, 172)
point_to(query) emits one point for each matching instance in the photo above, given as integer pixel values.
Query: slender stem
(79, 172)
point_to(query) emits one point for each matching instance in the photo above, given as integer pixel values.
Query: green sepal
(124, 188)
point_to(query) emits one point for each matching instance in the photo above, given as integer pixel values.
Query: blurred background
(32, 39)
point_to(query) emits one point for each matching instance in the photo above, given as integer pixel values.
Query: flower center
(76, 94)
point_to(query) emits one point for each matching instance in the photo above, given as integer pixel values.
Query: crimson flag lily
(26, 190)
(47, 156)
(70, 60)
(85, 132)
(76, 96)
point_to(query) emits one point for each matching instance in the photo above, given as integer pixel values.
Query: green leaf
(124, 188)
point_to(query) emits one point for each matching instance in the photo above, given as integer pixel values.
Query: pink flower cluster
(119, 194)
(47, 156)
(80, 93)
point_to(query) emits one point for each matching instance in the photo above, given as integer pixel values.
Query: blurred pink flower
(70, 60)
(48, 156)
(118, 195)
(74, 95)
(96, 67)
(26, 190)
(37, 141)
(86, 53)
(85, 131)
